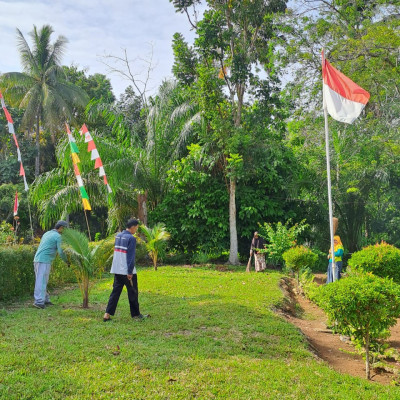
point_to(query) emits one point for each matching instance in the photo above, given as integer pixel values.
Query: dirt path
(340, 355)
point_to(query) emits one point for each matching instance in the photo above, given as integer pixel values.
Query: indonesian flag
(343, 98)
(16, 204)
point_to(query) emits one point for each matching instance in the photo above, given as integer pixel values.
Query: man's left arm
(60, 250)
(130, 254)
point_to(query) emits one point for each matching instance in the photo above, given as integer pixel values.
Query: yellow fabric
(86, 205)
(75, 158)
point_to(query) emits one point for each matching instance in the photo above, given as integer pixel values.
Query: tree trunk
(142, 207)
(155, 261)
(85, 303)
(367, 366)
(37, 159)
(233, 251)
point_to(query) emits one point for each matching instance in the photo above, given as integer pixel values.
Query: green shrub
(17, 276)
(280, 238)
(298, 258)
(362, 306)
(381, 259)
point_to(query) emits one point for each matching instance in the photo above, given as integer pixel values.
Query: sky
(95, 29)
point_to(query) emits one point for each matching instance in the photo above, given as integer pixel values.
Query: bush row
(17, 276)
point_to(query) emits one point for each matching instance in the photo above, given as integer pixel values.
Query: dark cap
(59, 224)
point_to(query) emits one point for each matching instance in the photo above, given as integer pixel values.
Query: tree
(233, 43)
(41, 90)
(87, 261)
(156, 238)
(361, 39)
(363, 307)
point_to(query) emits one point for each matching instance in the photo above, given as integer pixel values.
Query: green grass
(212, 335)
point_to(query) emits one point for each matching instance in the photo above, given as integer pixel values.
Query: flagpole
(87, 223)
(328, 170)
(30, 218)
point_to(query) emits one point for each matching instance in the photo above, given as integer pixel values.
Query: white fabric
(11, 128)
(79, 179)
(340, 108)
(88, 138)
(101, 171)
(95, 154)
(19, 154)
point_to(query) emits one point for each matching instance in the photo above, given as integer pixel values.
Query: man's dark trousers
(119, 282)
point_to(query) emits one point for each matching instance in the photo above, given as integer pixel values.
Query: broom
(249, 264)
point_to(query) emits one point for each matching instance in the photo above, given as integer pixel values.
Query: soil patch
(339, 353)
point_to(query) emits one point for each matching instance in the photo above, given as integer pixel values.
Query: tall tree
(41, 89)
(233, 44)
(362, 40)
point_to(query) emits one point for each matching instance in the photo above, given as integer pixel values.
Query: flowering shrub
(382, 259)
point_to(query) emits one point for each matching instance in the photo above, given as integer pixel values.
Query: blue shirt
(48, 247)
(124, 254)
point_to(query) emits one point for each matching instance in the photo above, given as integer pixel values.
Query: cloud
(94, 29)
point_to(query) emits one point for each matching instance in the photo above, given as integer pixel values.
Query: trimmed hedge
(382, 259)
(17, 276)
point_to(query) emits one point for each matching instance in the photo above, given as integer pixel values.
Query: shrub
(280, 238)
(362, 306)
(298, 258)
(381, 259)
(17, 276)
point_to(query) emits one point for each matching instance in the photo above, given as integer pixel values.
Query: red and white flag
(16, 204)
(343, 98)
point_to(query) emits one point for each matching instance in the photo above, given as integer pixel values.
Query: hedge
(17, 276)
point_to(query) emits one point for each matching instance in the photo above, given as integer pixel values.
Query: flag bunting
(95, 155)
(16, 204)
(12, 133)
(75, 161)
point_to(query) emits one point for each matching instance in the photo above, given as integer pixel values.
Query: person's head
(256, 234)
(60, 225)
(336, 240)
(132, 225)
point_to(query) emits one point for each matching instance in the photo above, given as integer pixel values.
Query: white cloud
(96, 28)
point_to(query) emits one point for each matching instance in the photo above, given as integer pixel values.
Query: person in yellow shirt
(339, 250)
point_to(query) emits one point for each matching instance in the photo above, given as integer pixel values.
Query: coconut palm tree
(41, 89)
(156, 239)
(87, 261)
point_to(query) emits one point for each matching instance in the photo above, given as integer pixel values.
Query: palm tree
(87, 261)
(156, 239)
(41, 89)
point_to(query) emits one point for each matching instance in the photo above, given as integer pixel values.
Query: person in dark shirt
(123, 268)
(257, 244)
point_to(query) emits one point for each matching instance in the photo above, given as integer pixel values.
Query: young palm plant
(87, 261)
(156, 239)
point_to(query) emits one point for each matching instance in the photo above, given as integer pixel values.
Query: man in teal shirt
(45, 254)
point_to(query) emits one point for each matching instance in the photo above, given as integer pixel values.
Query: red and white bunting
(95, 155)
(12, 132)
(16, 204)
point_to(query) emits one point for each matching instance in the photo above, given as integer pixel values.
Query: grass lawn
(212, 335)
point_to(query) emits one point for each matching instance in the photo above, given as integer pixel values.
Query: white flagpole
(328, 170)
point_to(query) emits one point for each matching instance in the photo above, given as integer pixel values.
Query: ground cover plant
(211, 335)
